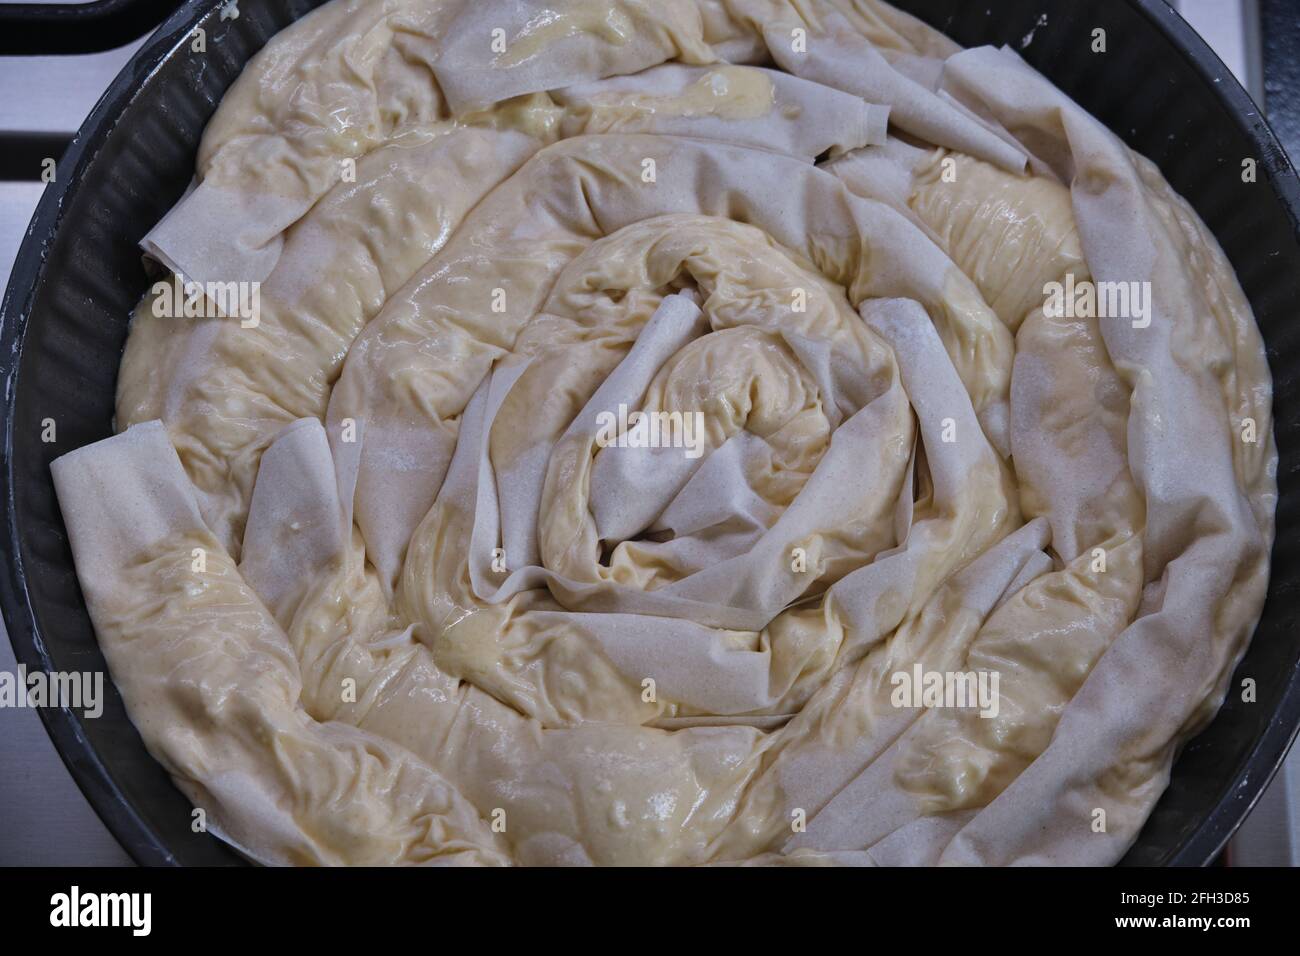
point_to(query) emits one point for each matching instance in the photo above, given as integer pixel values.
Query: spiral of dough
(642, 396)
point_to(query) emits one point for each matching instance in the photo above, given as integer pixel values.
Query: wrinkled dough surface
(375, 590)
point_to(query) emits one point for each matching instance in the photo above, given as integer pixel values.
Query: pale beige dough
(444, 313)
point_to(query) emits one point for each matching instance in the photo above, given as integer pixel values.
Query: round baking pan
(79, 273)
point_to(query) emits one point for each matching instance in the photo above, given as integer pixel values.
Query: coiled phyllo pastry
(706, 431)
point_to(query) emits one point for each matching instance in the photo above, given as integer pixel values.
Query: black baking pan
(79, 273)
